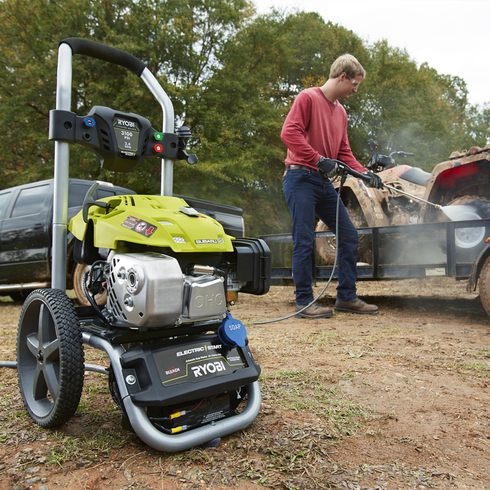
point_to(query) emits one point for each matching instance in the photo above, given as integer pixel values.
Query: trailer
(425, 250)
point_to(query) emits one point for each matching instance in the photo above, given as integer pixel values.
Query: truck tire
(469, 240)
(78, 276)
(50, 361)
(19, 296)
(327, 246)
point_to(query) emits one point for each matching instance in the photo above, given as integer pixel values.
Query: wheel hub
(469, 237)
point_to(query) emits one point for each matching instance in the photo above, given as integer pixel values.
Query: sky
(452, 36)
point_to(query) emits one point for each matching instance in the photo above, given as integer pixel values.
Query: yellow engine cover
(158, 221)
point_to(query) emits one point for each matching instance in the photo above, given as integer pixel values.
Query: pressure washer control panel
(120, 140)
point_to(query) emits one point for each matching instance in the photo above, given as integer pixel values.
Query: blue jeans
(308, 196)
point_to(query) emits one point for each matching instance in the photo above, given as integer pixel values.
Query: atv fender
(456, 173)
(369, 200)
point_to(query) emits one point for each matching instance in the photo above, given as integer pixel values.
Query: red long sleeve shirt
(315, 127)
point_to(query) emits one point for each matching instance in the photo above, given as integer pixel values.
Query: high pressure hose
(342, 180)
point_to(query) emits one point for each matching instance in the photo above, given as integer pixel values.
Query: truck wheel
(19, 296)
(469, 240)
(78, 276)
(484, 285)
(50, 361)
(327, 246)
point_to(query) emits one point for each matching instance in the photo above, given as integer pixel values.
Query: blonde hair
(347, 64)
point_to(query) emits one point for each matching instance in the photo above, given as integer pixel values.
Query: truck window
(30, 201)
(105, 192)
(78, 191)
(3, 200)
(77, 194)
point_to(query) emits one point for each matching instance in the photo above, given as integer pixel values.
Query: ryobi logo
(209, 368)
(125, 122)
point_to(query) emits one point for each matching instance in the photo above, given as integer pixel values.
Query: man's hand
(373, 180)
(327, 166)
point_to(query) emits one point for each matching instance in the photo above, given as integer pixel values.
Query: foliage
(231, 76)
(413, 109)
(261, 70)
(479, 124)
(177, 41)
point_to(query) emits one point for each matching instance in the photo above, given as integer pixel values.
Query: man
(316, 129)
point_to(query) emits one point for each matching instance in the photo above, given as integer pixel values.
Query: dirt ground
(394, 401)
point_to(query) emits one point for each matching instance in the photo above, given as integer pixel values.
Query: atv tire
(484, 285)
(327, 246)
(470, 240)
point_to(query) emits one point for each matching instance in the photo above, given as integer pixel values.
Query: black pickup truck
(26, 215)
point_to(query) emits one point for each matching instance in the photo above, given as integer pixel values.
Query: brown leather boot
(357, 306)
(314, 311)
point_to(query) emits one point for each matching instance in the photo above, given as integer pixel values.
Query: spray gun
(437, 206)
(330, 166)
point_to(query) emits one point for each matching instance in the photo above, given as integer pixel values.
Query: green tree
(177, 40)
(411, 108)
(238, 117)
(479, 125)
(232, 77)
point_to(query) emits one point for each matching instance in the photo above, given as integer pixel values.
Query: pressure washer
(180, 365)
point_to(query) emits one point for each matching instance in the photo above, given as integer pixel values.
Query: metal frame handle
(67, 48)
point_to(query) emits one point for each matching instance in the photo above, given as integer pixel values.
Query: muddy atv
(464, 179)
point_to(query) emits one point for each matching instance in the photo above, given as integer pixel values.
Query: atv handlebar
(401, 154)
(379, 162)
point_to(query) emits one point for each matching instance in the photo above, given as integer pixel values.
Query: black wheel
(484, 285)
(78, 278)
(50, 361)
(327, 246)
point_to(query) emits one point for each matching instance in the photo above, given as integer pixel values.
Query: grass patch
(285, 449)
(478, 366)
(82, 449)
(484, 351)
(314, 393)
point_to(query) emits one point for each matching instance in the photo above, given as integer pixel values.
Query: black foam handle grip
(351, 171)
(105, 53)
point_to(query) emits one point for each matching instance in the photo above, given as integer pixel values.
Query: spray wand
(437, 206)
(333, 166)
